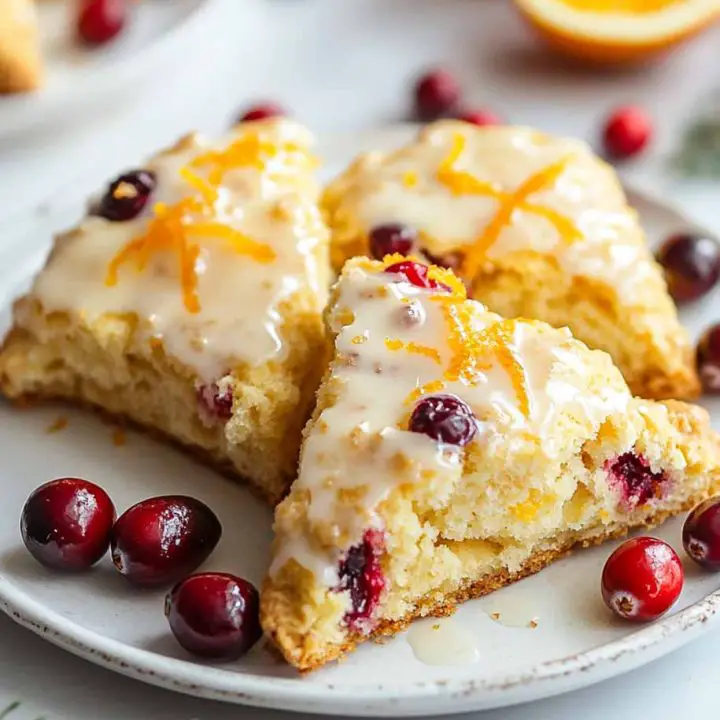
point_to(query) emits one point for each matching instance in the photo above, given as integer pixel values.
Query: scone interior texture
(537, 226)
(201, 317)
(385, 524)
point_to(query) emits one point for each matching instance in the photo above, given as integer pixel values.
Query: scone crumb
(60, 423)
(119, 438)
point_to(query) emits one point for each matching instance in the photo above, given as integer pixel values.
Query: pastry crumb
(119, 438)
(60, 423)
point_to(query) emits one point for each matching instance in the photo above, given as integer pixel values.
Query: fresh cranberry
(627, 131)
(416, 274)
(216, 406)
(436, 93)
(482, 118)
(99, 21)
(214, 615)
(264, 111)
(66, 523)
(642, 579)
(445, 418)
(127, 196)
(632, 476)
(692, 265)
(361, 573)
(391, 238)
(161, 540)
(708, 360)
(701, 534)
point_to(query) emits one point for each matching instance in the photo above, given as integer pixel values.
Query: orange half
(617, 31)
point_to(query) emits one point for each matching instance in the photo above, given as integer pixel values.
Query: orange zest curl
(414, 349)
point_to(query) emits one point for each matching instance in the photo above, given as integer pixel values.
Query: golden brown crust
(20, 62)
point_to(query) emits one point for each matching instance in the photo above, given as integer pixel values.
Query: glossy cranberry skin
(161, 540)
(263, 111)
(708, 360)
(627, 132)
(214, 615)
(66, 524)
(692, 265)
(481, 118)
(701, 534)
(391, 238)
(445, 418)
(416, 274)
(436, 94)
(99, 21)
(642, 579)
(360, 573)
(127, 195)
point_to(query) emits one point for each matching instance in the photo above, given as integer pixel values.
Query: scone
(190, 301)
(537, 226)
(452, 452)
(20, 63)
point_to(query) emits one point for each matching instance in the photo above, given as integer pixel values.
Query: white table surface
(346, 65)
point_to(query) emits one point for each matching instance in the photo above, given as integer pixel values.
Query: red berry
(99, 21)
(701, 534)
(708, 360)
(692, 265)
(66, 523)
(127, 196)
(481, 118)
(627, 131)
(263, 112)
(642, 579)
(215, 405)
(633, 477)
(436, 94)
(415, 273)
(391, 238)
(360, 573)
(445, 418)
(214, 615)
(161, 540)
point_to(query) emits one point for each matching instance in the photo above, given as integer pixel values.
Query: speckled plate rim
(417, 699)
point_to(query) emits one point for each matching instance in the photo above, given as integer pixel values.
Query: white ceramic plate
(76, 77)
(99, 617)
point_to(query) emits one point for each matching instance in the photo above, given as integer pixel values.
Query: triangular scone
(202, 317)
(384, 524)
(538, 227)
(20, 64)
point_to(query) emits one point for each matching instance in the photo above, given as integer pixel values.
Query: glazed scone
(20, 63)
(537, 226)
(452, 452)
(201, 315)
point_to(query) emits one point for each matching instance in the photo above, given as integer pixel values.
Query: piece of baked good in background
(452, 452)
(537, 226)
(20, 60)
(190, 301)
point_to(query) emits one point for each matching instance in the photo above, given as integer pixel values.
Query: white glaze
(239, 296)
(610, 246)
(357, 441)
(443, 641)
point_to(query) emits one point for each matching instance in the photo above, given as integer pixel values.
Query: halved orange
(617, 31)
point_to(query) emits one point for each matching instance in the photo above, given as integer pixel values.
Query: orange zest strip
(414, 349)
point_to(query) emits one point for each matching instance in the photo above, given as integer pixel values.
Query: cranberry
(436, 94)
(263, 111)
(161, 540)
(99, 21)
(708, 359)
(642, 579)
(127, 196)
(361, 573)
(692, 265)
(445, 418)
(216, 405)
(482, 118)
(416, 274)
(701, 534)
(627, 131)
(632, 475)
(66, 523)
(214, 615)
(391, 238)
